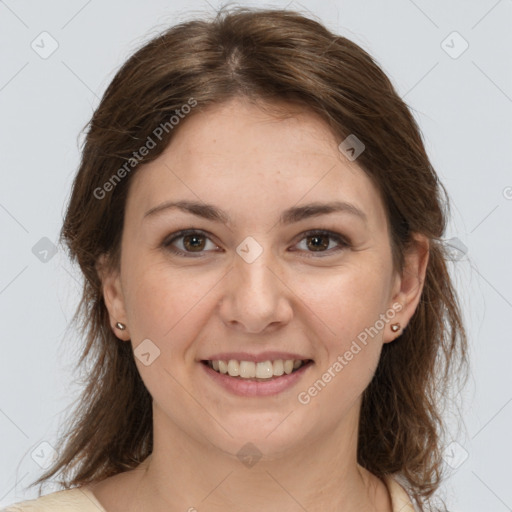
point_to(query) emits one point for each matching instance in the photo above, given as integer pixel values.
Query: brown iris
(316, 238)
(195, 242)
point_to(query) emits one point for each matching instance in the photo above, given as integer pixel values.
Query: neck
(184, 473)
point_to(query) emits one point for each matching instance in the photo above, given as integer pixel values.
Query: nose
(256, 297)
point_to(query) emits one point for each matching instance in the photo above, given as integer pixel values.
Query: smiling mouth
(259, 372)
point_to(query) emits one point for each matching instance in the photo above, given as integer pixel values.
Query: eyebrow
(289, 216)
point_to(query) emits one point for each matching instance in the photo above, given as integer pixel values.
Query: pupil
(194, 244)
(316, 238)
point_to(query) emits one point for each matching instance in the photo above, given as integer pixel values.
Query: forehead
(241, 157)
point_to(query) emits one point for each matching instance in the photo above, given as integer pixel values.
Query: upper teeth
(250, 369)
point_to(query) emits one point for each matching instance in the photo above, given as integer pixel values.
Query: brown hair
(270, 56)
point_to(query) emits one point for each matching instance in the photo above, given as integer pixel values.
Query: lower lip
(245, 387)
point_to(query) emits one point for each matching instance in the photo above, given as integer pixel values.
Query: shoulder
(400, 500)
(69, 500)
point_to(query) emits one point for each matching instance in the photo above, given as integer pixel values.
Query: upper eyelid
(184, 232)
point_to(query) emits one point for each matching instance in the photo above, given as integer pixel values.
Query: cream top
(83, 500)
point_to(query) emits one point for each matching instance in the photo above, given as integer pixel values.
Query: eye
(319, 242)
(195, 241)
(192, 241)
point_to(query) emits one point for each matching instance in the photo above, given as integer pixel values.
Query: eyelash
(343, 243)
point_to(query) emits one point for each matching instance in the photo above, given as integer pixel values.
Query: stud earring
(120, 326)
(395, 327)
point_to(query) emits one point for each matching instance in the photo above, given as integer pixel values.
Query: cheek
(169, 307)
(352, 307)
(348, 302)
(350, 357)
(162, 302)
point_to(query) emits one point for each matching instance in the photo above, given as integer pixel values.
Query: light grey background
(463, 104)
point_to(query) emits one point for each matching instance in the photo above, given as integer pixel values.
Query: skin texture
(292, 297)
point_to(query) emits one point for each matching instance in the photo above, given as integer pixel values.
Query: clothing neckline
(400, 500)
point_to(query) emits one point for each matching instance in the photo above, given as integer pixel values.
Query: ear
(113, 296)
(408, 286)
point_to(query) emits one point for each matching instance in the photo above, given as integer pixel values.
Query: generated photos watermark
(145, 149)
(304, 397)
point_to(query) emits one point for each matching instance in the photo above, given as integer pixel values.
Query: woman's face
(257, 283)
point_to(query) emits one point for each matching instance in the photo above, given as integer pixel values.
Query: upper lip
(257, 358)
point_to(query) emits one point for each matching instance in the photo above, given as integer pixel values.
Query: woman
(270, 321)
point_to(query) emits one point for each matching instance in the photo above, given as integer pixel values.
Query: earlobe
(113, 297)
(409, 285)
